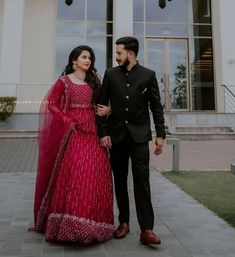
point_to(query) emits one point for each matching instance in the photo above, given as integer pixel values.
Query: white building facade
(190, 45)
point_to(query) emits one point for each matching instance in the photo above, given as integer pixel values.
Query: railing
(229, 98)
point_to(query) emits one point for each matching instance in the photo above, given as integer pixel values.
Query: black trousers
(139, 154)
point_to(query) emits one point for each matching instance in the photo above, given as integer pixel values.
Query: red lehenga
(74, 193)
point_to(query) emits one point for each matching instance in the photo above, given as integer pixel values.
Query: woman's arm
(56, 101)
(103, 110)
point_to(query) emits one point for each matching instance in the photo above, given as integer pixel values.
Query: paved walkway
(207, 155)
(187, 229)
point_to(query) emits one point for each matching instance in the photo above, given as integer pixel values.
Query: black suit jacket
(130, 94)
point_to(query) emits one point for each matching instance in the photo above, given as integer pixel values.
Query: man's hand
(106, 142)
(159, 142)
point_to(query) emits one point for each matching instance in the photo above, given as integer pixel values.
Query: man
(131, 89)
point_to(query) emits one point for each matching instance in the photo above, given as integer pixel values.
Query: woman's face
(83, 61)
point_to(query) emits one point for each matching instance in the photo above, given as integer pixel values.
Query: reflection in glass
(94, 12)
(74, 11)
(141, 50)
(202, 75)
(86, 22)
(64, 46)
(138, 10)
(201, 30)
(99, 46)
(166, 29)
(201, 11)
(155, 61)
(168, 58)
(185, 20)
(109, 51)
(96, 28)
(178, 74)
(68, 27)
(175, 11)
(138, 29)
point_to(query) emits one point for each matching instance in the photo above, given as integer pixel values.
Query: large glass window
(84, 22)
(168, 57)
(174, 12)
(201, 57)
(185, 30)
(202, 74)
(201, 11)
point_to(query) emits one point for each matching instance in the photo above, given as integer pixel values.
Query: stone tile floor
(187, 229)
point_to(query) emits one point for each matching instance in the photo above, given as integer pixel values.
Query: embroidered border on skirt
(65, 227)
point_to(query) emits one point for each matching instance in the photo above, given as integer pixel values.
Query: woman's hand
(103, 110)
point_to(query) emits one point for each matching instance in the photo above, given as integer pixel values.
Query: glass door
(169, 59)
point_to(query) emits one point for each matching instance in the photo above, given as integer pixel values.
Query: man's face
(122, 56)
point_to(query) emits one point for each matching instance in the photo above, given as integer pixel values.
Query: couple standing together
(81, 121)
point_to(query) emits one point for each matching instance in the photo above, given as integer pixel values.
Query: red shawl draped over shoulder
(55, 128)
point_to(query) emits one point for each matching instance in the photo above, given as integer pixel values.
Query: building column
(227, 40)
(224, 41)
(122, 20)
(12, 33)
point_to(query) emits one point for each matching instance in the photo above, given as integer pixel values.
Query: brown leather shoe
(122, 230)
(148, 237)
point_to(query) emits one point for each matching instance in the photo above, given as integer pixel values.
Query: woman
(74, 194)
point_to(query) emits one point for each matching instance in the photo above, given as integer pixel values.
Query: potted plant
(7, 106)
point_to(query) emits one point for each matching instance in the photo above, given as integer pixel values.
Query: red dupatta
(55, 129)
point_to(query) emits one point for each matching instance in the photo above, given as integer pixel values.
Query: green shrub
(7, 106)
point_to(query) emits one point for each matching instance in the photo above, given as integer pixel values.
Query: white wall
(227, 21)
(223, 18)
(38, 53)
(12, 27)
(39, 41)
(1, 24)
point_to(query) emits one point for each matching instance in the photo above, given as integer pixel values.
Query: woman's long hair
(92, 78)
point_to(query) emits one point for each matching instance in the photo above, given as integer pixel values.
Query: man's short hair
(130, 43)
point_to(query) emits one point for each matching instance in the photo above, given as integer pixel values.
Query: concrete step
(22, 133)
(203, 129)
(11, 133)
(203, 135)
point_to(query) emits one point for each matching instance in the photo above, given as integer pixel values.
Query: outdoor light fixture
(162, 3)
(68, 2)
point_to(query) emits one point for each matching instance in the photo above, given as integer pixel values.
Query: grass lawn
(213, 189)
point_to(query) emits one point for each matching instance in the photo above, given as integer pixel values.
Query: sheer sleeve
(57, 101)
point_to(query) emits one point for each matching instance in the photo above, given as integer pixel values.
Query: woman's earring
(74, 66)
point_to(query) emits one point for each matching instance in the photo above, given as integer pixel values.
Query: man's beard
(125, 63)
